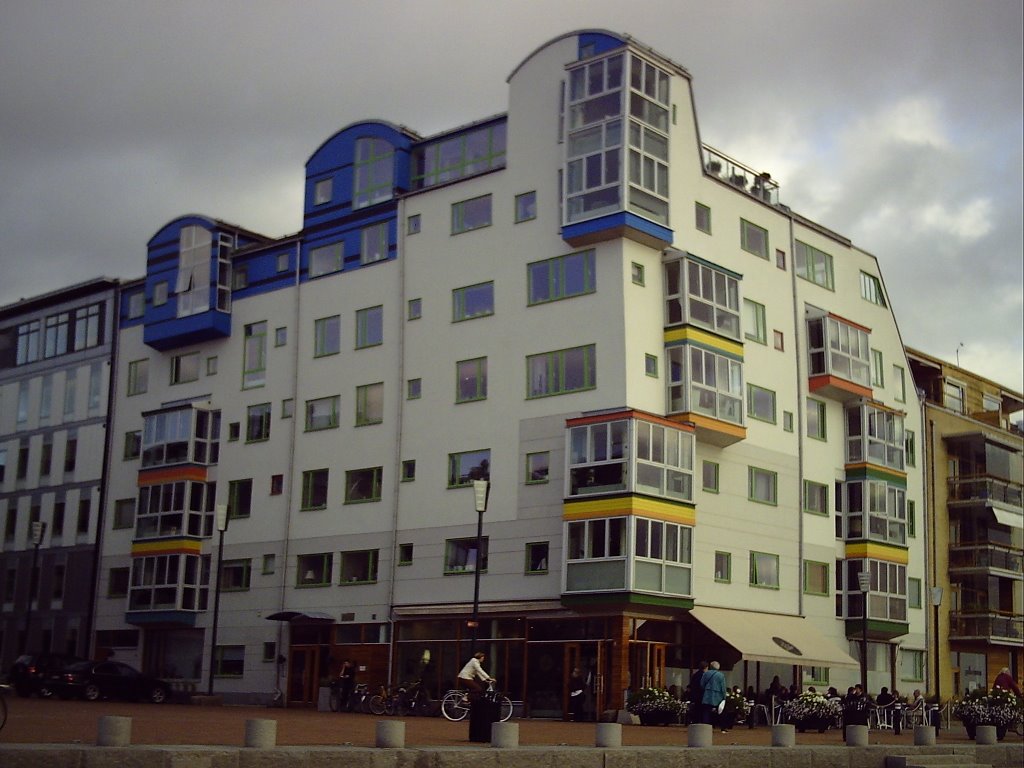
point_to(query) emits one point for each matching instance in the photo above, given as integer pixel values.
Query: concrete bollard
(114, 731)
(261, 734)
(391, 734)
(856, 735)
(608, 735)
(924, 736)
(505, 735)
(699, 735)
(784, 735)
(985, 734)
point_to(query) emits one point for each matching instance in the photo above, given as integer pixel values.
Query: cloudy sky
(897, 123)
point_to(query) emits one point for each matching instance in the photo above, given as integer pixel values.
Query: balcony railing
(986, 626)
(981, 488)
(759, 185)
(986, 557)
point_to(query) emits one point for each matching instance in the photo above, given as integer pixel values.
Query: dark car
(32, 672)
(92, 680)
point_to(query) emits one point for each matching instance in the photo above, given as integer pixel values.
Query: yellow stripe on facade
(875, 470)
(873, 550)
(689, 333)
(630, 505)
(167, 546)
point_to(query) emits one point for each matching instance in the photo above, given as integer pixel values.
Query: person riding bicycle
(473, 673)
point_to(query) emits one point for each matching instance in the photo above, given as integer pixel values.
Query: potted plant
(812, 711)
(997, 707)
(736, 708)
(654, 706)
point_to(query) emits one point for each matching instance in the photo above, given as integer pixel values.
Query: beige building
(975, 532)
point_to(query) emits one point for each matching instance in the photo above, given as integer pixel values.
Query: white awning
(1010, 517)
(774, 638)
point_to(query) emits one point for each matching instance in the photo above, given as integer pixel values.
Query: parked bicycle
(406, 700)
(359, 701)
(456, 704)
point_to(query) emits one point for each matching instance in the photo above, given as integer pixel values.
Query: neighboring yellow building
(975, 529)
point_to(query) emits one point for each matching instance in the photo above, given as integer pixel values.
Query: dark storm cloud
(895, 123)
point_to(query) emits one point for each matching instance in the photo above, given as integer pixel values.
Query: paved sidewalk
(38, 721)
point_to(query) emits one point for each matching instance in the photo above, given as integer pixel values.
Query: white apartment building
(691, 404)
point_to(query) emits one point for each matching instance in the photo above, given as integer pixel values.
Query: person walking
(694, 715)
(346, 682)
(473, 674)
(577, 688)
(713, 684)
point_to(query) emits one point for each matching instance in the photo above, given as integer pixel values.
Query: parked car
(31, 672)
(92, 680)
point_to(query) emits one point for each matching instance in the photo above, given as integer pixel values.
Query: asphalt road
(38, 721)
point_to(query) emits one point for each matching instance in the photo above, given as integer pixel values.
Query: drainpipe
(800, 415)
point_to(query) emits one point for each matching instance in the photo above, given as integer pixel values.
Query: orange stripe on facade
(867, 550)
(628, 414)
(167, 547)
(714, 425)
(171, 474)
(820, 382)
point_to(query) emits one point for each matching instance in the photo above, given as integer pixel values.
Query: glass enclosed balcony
(759, 185)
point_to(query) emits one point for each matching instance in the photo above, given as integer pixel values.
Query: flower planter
(819, 724)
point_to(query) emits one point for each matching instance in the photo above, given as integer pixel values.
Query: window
(84, 513)
(816, 581)
(136, 305)
(471, 380)
(46, 398)
(132, 444)
(160, 293)
(709, 476)
(471, 214)
(322, 413)
(561, 372)
(651, 365)
(405, 554)
(455, 157)
(780, 259)
(374, 243)
(369, 327)
(787, 421)
(229, 661)
(373, 176)
(3, 464)
(58, 518)
(235, 575)
(269, 564)
(911, 665)
(28, 344)
(753, 239)
(55, 334)
(702, 217)
(764, 570)
(472, 301)
(322, 191)
(874, 435)
(287, 407)
(70, 454)
(460, 555)
(648, 141)
(780, 340)
(911, 518)
(914, 593)
(561, 277)
(94, 387)
(839, 348)
(314, 489)
(211, 366)
(124, 514)
(871, 289)
(761, 485)
(269, 651)
(257, 423)
(46, 456)
(464, 468)
(326, 259)
(359, 566)
(70, 386)
(705, 382)
(813, 265)
(362, 485)
(537, 557)
(415, 309)
(327, 336)
(754, 326)
(239, 498)
(526, 207)
(413, 224)
(703, 294)
(413, 389)
(815, 498)
(637, 273)
(254, 355)
(193, 283)
(910, 448)
(276, 485)
(760, 403)
(723, 567)
(877, 370)
(234, 430)
(117, 583)
(314, 570)
(408, 470)
(239, 277)
(280, 337)
(816, 419)
(283, 262)
(537, 466)
(370, 404)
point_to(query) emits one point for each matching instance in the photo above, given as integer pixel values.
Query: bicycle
(413, 699)
(385, 702)
(456, 704)
(358, 701)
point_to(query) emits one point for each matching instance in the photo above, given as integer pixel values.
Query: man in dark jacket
(696, 693)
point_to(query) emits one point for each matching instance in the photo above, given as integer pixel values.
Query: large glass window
(185, 368)
(257, 423)
(871, 289)
(314, 488)
(663, 555)
(471, 214)
(648, 140)
(373, 177)
(314, 570)
(179, 436)
(322, 413)
(473, 301)
(471, 380)
(701, 294)
(326, 259)
(764, 570)
(254, 355)
(561, 372)
(359, 566)
(838, 348)
(138, 376)
(875, 435)
(182, 508)
(464, 468)
(327, 336)
(753, 239)
(55, 340)
(29, 342)
(374, 243)
(705, 382)
(194, 257)
(561, 277)
(370, 404)
(369, 327)
(454, 157)
(760, 403)
(762, 485)
(754, 325)
(169, 582)
(461, 555)
(664, 461)
(814, 265)
(363, 484)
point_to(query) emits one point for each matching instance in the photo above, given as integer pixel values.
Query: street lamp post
(221, 517)
(36, 538)
(864, 582)
(481, 490)
(936, 603)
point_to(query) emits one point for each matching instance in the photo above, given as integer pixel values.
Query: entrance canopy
(773, 638)
(300, 616)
